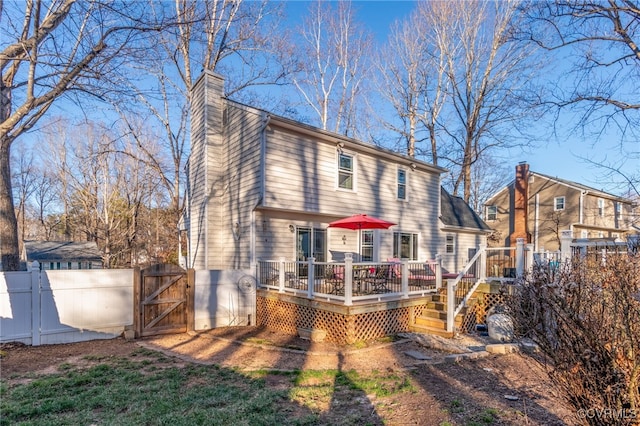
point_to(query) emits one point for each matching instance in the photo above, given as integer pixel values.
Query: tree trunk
(9, 255)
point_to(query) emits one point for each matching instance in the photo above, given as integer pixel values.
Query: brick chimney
(520, 205)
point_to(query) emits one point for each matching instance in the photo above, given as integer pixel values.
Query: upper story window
(558, 203)
(345, 171)
(600, 207)
(492, 212)
(402, 184)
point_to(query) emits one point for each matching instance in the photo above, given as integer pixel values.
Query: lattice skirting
(287, 317)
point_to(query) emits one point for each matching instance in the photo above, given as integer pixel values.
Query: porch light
(292, 228)
(413, 166)
(344, 239)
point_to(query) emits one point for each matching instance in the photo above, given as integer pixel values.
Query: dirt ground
(493, 389)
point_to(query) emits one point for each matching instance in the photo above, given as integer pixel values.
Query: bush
(585, 317)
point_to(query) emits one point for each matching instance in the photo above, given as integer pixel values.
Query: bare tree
(600, 46)
(488, 74)
(214, 35)
(49, 50)
(330, 65)
(411, 67)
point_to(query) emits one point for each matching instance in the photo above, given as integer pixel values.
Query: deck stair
(433, 319)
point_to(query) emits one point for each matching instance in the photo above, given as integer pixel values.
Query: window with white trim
(601, 207)
(558, 203)
(492, 212)
(402, 184)
(450, 244)
(345, 171)
(405, 245)
(366, 247)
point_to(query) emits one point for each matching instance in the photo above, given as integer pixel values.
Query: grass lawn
(152, 389)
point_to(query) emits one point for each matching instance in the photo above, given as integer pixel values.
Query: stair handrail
(451, 291)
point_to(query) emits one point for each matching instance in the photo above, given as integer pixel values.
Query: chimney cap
(522, 162)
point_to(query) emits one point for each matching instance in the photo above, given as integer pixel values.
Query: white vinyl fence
(65, 306)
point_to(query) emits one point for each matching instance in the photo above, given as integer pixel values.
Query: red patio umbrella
(360, 222)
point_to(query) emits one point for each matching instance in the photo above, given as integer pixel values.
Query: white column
(404, 279)
(281, 275)
(348, 279)
(565, 245)
(311, 270)
(519, 257)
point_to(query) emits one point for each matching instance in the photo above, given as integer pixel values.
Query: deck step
(425, 329)
(437, 322)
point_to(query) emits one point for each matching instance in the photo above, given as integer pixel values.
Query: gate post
(191, 298)
(137, 313)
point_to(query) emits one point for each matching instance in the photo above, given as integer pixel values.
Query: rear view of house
(266, 187)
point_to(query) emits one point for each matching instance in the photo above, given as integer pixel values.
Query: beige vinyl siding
(301, 175)
(197, 166)
(457, 260)
(242, 185)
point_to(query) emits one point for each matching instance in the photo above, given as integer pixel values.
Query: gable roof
(455, 212)
(569, 183)
(62, 250)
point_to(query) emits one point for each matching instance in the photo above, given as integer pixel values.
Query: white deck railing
(348, 282)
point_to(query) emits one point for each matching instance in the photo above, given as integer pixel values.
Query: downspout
(536, 224)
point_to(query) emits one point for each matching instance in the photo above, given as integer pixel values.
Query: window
(311, 243)
(58, 265)
(79, 265)
(89, 265)
(68, 265)
(366, 247)
(402, 184)
(558, 203)
(492, 212)
(345, 171)
(405, 245)
(600, 207)
(51, 265)
(584, 234)
(450, 244)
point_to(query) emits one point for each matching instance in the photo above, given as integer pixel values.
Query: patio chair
(378, 283)
(334, 279)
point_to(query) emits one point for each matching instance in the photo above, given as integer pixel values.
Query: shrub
(585, 318)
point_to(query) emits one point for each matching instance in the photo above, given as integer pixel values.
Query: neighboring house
(538, 208)
(263, 187)
(62, 254)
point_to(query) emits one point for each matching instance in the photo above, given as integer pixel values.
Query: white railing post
(565, 245)
(482, 275)
(451, 305)
(404, 279)
(281, 276)
(529, 256)
(311, 270)
(36, 308)
(519, 257)
(438, 271)
(348, 279)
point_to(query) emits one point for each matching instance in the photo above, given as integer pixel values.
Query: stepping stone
(417, 355)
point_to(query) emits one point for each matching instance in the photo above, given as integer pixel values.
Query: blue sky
(557, 156)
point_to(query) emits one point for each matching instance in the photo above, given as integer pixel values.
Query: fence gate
(163, 300)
